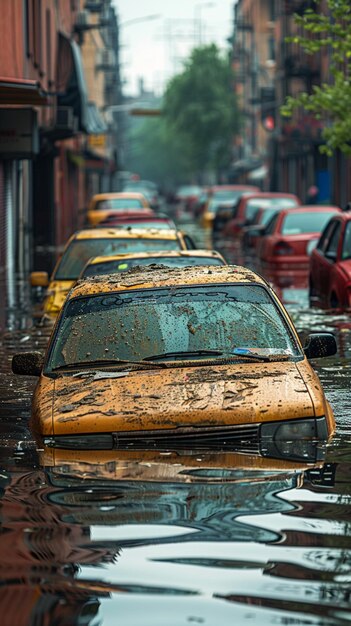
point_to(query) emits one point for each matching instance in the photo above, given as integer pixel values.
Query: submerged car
(330, 265)
(220, 195)
(289, 238)
(85, 244)
(169, 355)
(124, 262)
(105, 205)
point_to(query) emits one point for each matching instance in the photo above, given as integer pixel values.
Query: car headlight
(294, 439)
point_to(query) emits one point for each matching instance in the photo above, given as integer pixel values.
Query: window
(346, 248)
(134, 325)
(331, 249)
(301, 222)
(326, 234)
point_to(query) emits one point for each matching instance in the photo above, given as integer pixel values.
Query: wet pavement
(176, 538)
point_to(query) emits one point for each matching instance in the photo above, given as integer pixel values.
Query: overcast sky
(153, 49)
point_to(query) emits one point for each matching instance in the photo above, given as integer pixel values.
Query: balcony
(296, 66)
(298, 6)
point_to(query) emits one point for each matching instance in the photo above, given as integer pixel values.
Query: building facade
(57, 63)
(268, 68)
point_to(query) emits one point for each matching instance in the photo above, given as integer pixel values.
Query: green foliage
(327, 31)
(157, 153)
(199, 105)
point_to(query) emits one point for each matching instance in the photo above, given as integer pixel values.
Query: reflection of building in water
(50, 518)
(41, 551)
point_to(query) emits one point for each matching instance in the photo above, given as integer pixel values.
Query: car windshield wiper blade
(105, 362)
(246, 353)
(185, 353)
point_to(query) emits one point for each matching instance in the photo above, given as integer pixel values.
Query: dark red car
(289, 238)
(330, 264)
(248, 206)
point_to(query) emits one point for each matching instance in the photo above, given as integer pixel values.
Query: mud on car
(165, 357)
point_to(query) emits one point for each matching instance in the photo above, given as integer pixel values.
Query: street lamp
(197, 18)
(136, 20)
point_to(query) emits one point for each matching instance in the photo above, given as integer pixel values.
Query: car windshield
(303, 223)
(118, 204)
(80, 251)
(252, 206)
(146, 323)
(113, 267)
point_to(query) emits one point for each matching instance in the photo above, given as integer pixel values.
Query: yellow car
(104, 205)
(168, 356)
(123, 262)
(102, 241)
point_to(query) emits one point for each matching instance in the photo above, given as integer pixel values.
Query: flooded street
(175, 537)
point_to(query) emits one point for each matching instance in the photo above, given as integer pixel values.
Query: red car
(248, 205)
(289, 238)
(330, 264)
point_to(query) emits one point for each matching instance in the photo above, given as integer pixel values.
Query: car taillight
(282, 249)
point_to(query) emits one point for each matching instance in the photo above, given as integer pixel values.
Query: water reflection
(146, 538)
(209, 532)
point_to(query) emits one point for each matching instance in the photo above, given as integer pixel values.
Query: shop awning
(74, 92)
(21, 91)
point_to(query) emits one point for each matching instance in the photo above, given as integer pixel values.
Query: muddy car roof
(122, 233)
(149, 277)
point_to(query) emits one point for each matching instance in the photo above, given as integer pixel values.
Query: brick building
(268, 69)
(50, 113)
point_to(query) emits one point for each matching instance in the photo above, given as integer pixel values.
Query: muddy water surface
(147, 538)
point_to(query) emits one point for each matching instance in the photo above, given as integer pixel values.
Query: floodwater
(174, 538)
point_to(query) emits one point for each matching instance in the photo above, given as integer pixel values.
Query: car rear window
(277, 204)
(303, 222)
(80, 251)
(123, 265)
(118, 204)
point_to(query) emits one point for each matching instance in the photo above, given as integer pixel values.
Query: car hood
(207, 396)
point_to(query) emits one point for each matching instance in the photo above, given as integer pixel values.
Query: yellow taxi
(104, 205)
(88, 243)
(168, 356)
(174, 258)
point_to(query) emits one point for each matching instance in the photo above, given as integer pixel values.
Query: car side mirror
(27, 363)
(320, 345)
(39, 279)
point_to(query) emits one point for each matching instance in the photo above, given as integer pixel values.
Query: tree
(156, 152)
(327, 30)
(199, 105)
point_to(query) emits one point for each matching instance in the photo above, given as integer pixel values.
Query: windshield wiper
(185, 353)
(107, 363)
(245, 353)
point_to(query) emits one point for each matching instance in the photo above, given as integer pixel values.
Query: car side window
(270, 228)
(331, 248)
(346, 246)
(326, 234)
